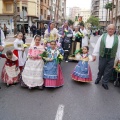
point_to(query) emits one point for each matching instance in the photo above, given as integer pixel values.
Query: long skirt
(9, 75)
(75, 47)
(80, 79)
(55, 82)
(32, 75)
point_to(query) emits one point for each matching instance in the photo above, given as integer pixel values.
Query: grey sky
(79, 3)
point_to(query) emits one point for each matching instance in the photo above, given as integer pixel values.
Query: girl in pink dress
(32, 75)
(10, 71)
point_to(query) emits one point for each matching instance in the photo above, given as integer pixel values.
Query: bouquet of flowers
(59, 58)
(79, 35)
(44, 55)
(76, 52)
(25, 46)
(118, 68)
(66, 32)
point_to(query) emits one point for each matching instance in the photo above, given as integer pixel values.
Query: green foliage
(81, 23)
(76, 18)
(94, 21)
(70, 22)
(108, 6)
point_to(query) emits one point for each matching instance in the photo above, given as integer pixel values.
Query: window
(45, 14)
(8, 7)
(24, 8)
(41, 12)
(18, 9)
(48, 2)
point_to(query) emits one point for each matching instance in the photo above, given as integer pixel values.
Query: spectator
(5, 30)
(33, 29)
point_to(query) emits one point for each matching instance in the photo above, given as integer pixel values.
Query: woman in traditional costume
(82, 71)
(53, 76)
(10, 71)
(51, 33)
(66, 39)
(32, 75)
(19, 50)
(76, 44)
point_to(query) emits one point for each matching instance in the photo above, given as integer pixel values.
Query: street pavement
(10, 39)
(73, 101)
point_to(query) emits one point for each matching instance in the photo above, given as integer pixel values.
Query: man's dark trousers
(105, 69)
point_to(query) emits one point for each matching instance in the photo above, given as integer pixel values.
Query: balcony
(7, 7)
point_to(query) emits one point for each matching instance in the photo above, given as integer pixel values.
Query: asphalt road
(73, 101)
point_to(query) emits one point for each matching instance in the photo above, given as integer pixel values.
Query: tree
(94, 21)
(70, 22)
(108, 7)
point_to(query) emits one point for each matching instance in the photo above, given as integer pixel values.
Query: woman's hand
(94, 58)
(1, 48)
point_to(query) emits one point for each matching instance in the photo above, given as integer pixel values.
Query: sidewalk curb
(9, 45)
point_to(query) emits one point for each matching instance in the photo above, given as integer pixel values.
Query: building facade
(98, 10)
(30, 9)
(85, 14)
(117, 15)
(58, 10)
(76, 11)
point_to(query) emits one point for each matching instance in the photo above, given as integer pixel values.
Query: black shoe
(0, 87)
(40, 87)
(105, 86)
(97, 82)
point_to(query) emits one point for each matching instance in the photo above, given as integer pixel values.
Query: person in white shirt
(85, 33)
(107, 47)
(2, 42)
(51, 33)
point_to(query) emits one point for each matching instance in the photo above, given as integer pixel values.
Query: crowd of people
(41, 66)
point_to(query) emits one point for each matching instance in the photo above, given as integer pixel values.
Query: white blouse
(2, 39)
(109, 44)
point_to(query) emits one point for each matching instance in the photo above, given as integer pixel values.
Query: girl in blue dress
(82, 71)
(53, 76)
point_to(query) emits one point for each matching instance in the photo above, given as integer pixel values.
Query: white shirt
(84, 31)
(54, 31)
(18, 44)
(2, 39)
(109, 44)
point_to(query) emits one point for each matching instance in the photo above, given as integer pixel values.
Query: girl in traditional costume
(32, 75)
(19, 50)
(53, 76)
(82, 71)
(10, 71)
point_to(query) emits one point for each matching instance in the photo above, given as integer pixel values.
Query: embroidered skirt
(9, 75)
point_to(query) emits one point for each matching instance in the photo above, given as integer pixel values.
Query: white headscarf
(33, 42)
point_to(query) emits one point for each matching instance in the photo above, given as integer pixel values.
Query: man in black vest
(2, 43)
(107, 47)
